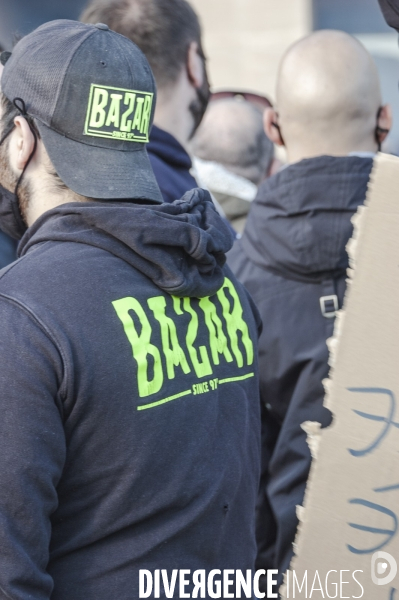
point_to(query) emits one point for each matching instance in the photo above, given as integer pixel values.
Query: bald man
(328, 99)
(235, 155)
(330, 118)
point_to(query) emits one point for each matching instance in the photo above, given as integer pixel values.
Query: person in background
(8, 246)
(292, 257)
(129, 391)
(169, 34)
(233, 155)
(8, 249)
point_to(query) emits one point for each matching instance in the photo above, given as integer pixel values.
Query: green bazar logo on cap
(118, 113)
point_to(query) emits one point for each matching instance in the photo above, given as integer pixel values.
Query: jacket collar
(300, 222)
(168, 149)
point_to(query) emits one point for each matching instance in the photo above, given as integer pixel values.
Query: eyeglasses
(261, 102)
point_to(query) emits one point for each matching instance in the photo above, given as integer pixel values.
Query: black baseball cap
(92, 94)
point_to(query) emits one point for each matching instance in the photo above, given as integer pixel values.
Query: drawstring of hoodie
(21, 108)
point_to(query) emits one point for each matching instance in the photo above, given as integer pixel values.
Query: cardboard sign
(348, 538)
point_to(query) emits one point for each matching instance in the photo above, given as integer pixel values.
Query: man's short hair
(162, 29)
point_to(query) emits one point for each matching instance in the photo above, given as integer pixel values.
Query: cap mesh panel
(36, 69)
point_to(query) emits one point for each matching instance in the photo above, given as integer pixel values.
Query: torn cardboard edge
(314, 433)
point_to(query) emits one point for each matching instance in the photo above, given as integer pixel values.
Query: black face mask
(200, 104)
(11, 221)
(379, 131)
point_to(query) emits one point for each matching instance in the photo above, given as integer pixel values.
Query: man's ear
(272, 129)
(384, 122)
(195, 65)
(25, 142)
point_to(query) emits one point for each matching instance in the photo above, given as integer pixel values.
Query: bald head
(328, 96)
(232, 134)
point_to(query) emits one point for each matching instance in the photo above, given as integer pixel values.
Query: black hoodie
(129, 430)
(171, 164)
(292, 259)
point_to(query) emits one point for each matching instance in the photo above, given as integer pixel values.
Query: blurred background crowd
(245, 39)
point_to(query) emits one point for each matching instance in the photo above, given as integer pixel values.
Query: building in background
(352, 16)
(245, 39)
(19, 17)
(363, 18)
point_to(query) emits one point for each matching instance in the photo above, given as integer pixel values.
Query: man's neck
(172, 114)
(45, 196)
(298, 154)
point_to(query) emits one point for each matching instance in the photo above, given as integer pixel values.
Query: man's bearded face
(9, 179)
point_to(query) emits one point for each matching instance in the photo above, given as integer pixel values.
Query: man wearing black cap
(128, 380)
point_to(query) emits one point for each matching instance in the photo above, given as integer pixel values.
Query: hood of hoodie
(300, 221)
(181, 247)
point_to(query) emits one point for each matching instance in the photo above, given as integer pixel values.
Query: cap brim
(101, 173)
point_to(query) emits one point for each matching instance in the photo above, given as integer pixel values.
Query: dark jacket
(292, 260)
(129, 416)
(8, 250)
(171, 165)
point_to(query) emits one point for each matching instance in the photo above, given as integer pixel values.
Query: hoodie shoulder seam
(52, 338)
(8, 268)
(16, 263)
